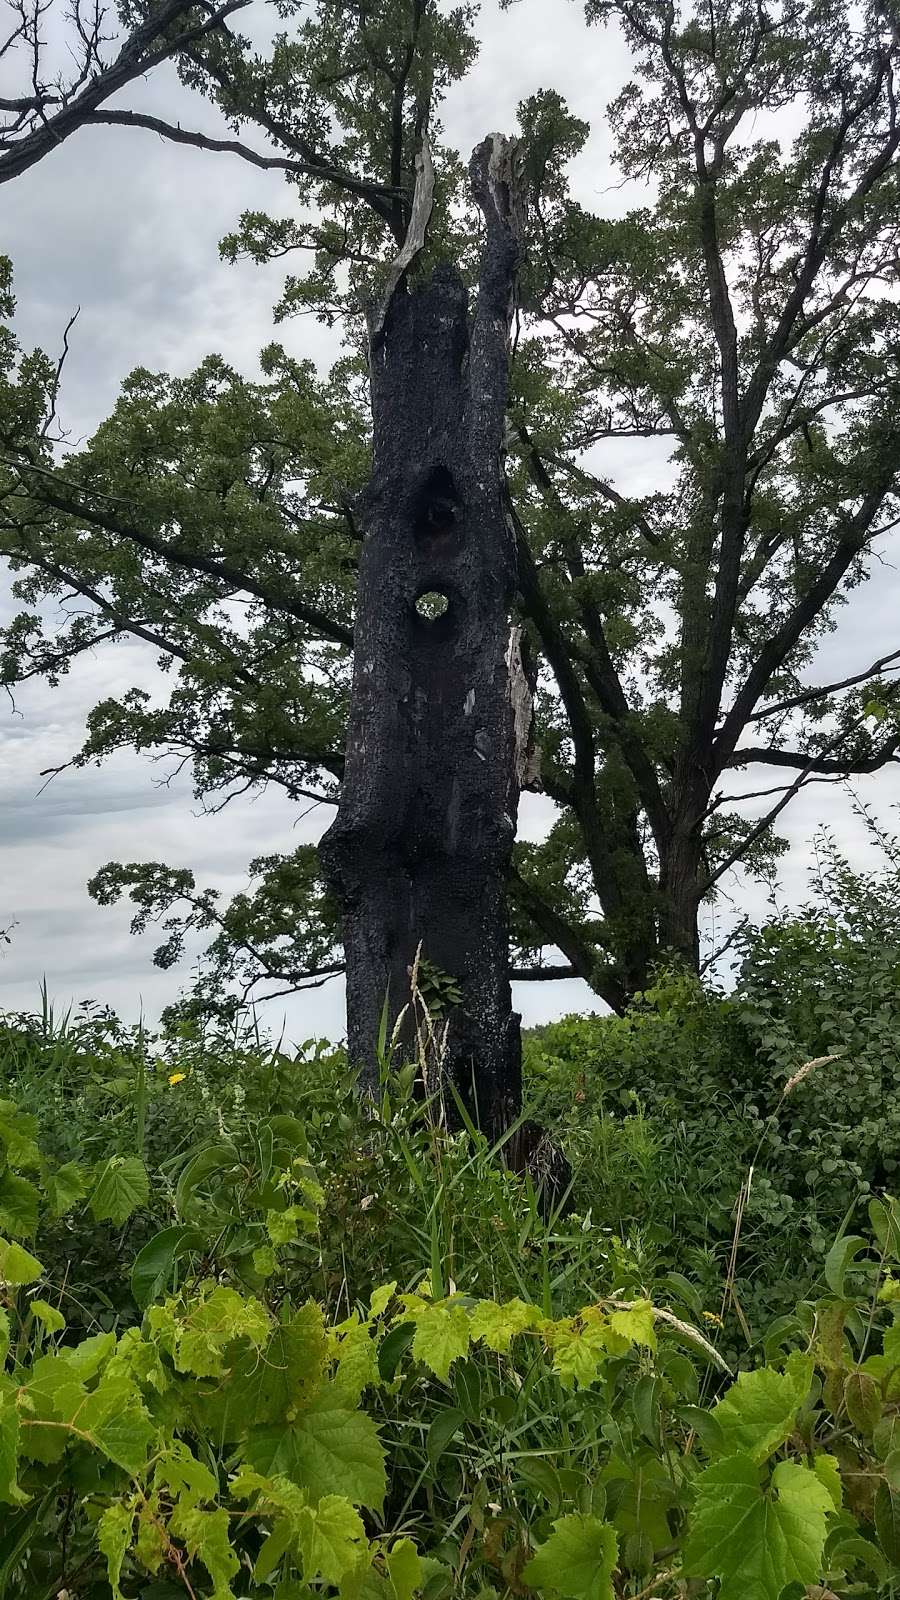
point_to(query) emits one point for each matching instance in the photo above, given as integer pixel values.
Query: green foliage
(392, 1440)
(796, 1074)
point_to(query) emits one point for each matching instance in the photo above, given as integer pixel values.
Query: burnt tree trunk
(440, 712)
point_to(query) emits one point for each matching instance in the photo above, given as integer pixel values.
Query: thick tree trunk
(440, 712)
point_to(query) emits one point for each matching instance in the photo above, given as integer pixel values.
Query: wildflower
(177, 1077)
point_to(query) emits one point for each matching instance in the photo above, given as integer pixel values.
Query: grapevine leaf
(10, 1493)
(19, 1202)
(442, 1335)
(330, 1538)
(118, 1422)
(381, 1299)
(17, 1133)
(219, 1318)
(268, 1385)
(206, 1535)
(635, 1324)
(327, 1449)
(577, 1560)
(65, 1187)
(826, 1470)
(579, 1349)
(497, 1325)
(122, 1186)
(17, 1267)
(404, 1568)
(757, 1414)
(113, 1538)
(50, 1318)
(757, 1542)
(180, 1471)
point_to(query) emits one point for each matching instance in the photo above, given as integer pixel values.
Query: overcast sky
(126, 227)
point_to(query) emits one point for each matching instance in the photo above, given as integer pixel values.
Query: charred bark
(439, 715)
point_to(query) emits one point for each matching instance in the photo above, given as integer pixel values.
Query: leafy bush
(420, 1439)
(664, 1111)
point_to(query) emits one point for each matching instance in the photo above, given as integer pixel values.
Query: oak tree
(745, 313)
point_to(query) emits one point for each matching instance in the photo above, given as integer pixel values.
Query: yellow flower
(710, 1316)
(177, 1077)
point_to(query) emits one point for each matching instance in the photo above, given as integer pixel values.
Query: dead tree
(440, 708)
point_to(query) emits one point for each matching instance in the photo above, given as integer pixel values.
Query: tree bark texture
(440, 708)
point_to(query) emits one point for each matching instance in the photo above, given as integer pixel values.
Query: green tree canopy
(745, 314)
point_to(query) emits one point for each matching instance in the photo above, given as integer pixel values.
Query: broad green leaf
(264, 1260)
(65, 1187)
(212, 1159)
(356, 1354)
(205, 1534)
(838, 1259)
(10, 1493)
(381, 1299)
(18, 1133)
(180, 1471)
(19, 1201)
(705, 1426)
(404, 1568)
(113, 1538)
(279, 1540)
(219, 1317)
(758, 1412)
(268, 1385)
(119, 1423)
(151, 1544)
(87, 1358)
(886, 1436)
(50, 1318)
(845, 1551)
(636, 1325)
(754, 1541)
(154, 1264)
(862, 1397)
(497, 1325)
(579, 1349)
(577, 1560)
(4, 1337)
(887, 1520)
(826, 1470)
(327, 1449)
(442, 1335)
(392, 1347)
(645, 1403)
(884, 1216)
(122, 1186)
(17, 1267)
(284, 1227)
(330, 1538)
